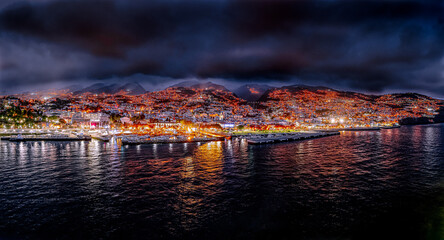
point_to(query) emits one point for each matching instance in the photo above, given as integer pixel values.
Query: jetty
(285, 137)
(353, 129)
(60, 137)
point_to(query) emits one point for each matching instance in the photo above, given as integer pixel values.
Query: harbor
(134, 139)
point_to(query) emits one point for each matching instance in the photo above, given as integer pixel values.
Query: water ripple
(348, 186)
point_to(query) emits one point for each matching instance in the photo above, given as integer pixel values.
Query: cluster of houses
(98, 120)
(81, 119)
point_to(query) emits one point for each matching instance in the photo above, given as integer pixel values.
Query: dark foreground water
(359, 185)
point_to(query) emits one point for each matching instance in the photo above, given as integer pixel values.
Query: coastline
(272, 137)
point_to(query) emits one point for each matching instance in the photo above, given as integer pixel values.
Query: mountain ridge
(200, 85)
(132, 88)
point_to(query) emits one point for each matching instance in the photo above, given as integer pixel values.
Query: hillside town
(181, 108)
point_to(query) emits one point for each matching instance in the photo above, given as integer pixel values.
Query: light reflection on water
(348, 186)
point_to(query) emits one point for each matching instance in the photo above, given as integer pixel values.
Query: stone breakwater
(284, 137)
(48, 138)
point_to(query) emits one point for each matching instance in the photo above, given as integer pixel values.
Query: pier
(285, 137)
(132, 141)
(48, 138)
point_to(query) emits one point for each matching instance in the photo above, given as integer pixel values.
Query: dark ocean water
(359, 185)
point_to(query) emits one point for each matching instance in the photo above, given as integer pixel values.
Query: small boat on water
(5, 137)
(103, 138)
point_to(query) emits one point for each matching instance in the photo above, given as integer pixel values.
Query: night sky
(367, 46)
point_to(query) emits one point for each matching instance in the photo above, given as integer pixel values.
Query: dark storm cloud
(105, 28)
(372, 45)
